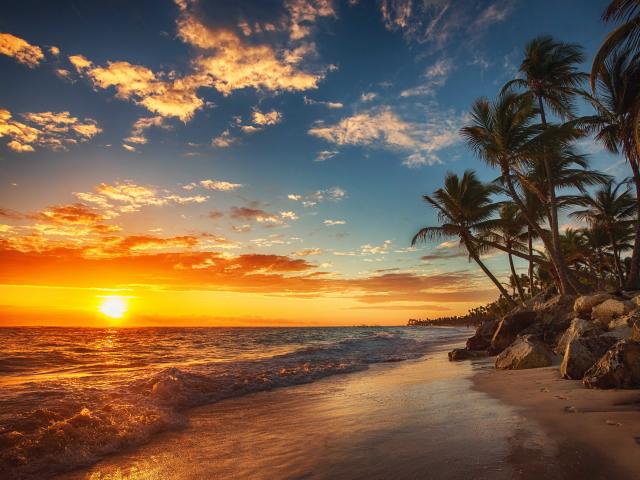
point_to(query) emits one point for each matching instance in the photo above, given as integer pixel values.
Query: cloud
(331, 223)
(255, 214)
(304, 13)
(55, 131)
(326, 155)
(139, 128)
(334, 194)
(439, 23)
(270, 118)
(227, 63)
(224, 140)
(436, 76)
(156, 92)
(307, 252)
(219, 185)
(376, 249)
(330, 105)
(383, 128)
(494, 13)
(367, 97)
(126, 197)
(21, 50)
(128, 148)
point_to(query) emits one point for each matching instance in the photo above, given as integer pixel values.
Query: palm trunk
(634, 269)
(616, 256)
(516, 198)
(530, 251)
(488, 273)
(561, 265)
(516, 280)
(469, 241)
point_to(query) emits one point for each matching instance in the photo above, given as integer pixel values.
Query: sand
(419, 419)
(598, 430)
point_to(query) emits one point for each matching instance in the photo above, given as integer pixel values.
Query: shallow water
(419, 419)
(70, 396)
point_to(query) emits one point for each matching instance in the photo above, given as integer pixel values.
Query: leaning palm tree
(464, 207)
(550, 75)
(625, 37)
(611, 207)
(615, 124)
(504, 135)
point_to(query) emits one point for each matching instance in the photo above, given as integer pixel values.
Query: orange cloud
(21, 50)
(54, 130)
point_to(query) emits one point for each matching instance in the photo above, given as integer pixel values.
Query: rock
(524, 353)
(618, 368)
(578, 328)
(582, 353)
(610, 309)
(458, 354)
(617, 323)
(509, 327)
(635, 332)
(481, 340)
(553, 317)
(584, 304)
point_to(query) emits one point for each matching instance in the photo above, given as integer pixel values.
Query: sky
(249, 163)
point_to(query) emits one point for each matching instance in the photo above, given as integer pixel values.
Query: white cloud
(326, 155)
(224, 140)
(383, 128)
(367, 97)
(270, 118)
(331, 223)
(311, 199)
(331, 105)
(219, 185)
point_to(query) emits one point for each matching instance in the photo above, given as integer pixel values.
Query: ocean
(69, 396)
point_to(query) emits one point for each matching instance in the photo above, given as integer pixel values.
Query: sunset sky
(248, 163)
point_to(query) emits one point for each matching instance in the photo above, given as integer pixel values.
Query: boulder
(509, 327)
(578, 328)
(481, 340)
(458, 354)
(584, 304)
(635, 332)
(524, 353)
(619, 367)
(582, 353)
(610, 309)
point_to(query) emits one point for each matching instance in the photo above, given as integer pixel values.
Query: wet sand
(420, 419)
(599, 430)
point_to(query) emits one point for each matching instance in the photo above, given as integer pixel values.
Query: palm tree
(464, 208)
(625, 37)
(552, 78)
(511, 232)
(504, 135)
(610, 207)
(615, 124)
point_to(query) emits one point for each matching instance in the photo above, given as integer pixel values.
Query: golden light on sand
(113, 306)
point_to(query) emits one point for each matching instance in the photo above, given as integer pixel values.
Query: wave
(81, 426)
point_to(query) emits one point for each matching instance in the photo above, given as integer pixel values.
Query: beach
(421, 418)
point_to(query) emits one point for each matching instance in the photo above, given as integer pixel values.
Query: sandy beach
(426, 418)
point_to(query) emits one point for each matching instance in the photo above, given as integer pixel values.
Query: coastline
(598, 430)
(421, 418)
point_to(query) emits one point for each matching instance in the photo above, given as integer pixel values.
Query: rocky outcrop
(524, 353)
(619, 367)
(610, 309)
(584, 304)
(635, 332)
(458, 354)
(578, 328)
(509, 327)
(582, 353)
(481, 340)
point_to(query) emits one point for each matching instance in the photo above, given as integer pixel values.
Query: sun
(113, 306)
